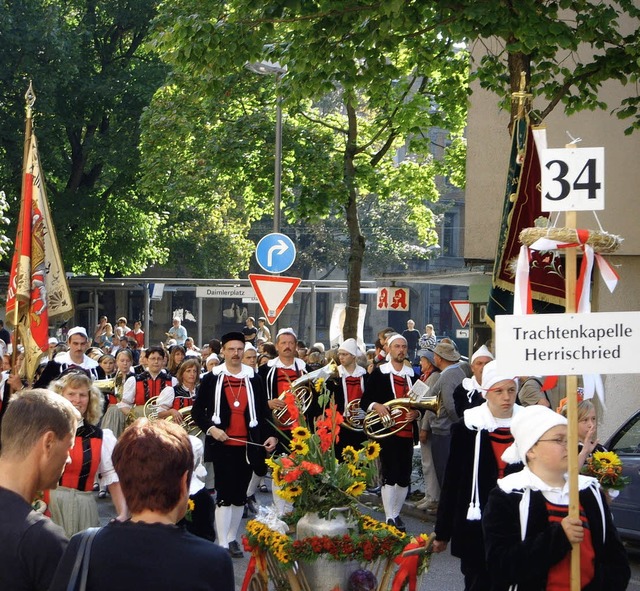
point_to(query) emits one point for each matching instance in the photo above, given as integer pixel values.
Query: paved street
(444, 574)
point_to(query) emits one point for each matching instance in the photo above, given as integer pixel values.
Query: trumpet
(378, 427)
(354, 416)
(302, 390)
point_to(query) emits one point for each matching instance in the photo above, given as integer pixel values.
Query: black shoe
(245, 512)
(391, 522)
(252, 504)
(400, 525)
(102, 494)
(263, 488)
(234, 550)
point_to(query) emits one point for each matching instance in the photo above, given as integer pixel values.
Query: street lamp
(267, 68)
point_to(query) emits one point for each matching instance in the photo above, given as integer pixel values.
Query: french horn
(379, 427)
(354, 416)
(151, 410)
(302, 390)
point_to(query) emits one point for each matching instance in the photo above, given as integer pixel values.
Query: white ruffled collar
(388, 368)
(357, 372)
(480, 418)
(245, 371)
(526, 479)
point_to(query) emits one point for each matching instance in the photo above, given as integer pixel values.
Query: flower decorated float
(325, 543)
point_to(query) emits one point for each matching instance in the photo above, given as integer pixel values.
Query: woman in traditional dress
(72, 505)
(172, 399)
(113, 418)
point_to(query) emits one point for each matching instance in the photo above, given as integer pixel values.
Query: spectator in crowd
(151, 456)
(38, 432)
(413, 336)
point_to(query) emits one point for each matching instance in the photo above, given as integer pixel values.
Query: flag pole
(30, 99)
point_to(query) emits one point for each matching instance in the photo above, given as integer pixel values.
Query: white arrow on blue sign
(275, 253)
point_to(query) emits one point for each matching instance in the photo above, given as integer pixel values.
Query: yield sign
(274, 293)
(462, 310)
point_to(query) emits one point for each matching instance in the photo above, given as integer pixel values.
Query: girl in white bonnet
(527, 531)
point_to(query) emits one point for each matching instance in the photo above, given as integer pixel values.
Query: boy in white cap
(528, 533)
(474, 466)
(467, 394)
(348, 388)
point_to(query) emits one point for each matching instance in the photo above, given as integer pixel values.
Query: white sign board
(572, 179)
(223, 292)
(568, 344)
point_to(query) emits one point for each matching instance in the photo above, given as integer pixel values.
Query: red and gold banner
(522, 207)
(38, 289)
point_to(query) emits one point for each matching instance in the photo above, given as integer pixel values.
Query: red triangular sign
(273, 293)
(462, 310)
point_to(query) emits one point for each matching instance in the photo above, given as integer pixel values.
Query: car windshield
(627, 440)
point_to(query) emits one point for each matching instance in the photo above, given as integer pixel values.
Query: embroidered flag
(522, 207)
(38, 289)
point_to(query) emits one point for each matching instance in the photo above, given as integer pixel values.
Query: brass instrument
(188, 424)
(151, 410)
(105, 386)
(379, 427)
(302, 390)
(354, 416)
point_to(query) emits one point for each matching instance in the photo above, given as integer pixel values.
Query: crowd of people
(494, 457)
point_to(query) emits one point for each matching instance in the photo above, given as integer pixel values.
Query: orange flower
(292, 475)
(311, 468)
(292, 407)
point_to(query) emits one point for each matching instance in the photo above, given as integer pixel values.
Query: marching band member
(390, 380)
(231, 409)
(151, 382)
(72, 504)
(347, 388)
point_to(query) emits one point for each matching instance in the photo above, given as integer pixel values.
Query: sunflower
(372, 450)
(349, 455)
(300, 433)
(357, 488)
(318, 384)
(295, 490)
(299, 447)
(607, 457)
(284, 493)
(355, 471)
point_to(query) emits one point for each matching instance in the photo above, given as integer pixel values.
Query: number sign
(572, 179)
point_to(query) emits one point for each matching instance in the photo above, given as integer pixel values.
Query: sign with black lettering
(568, 344)
(572, 179)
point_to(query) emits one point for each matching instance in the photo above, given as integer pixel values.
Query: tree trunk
(356, 239)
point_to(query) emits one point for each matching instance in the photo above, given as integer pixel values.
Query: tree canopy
(92, 77)
(353, 71)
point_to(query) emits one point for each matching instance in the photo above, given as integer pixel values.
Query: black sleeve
(510, 560)
(50, 373)
(454, 478)
(63, 572)
(202, 410)
(615, 562)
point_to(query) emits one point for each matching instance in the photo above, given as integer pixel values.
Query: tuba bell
(302, 390)
(379, 427)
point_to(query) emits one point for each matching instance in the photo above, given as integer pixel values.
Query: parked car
(626, 507)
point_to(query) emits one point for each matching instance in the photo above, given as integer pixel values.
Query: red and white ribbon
(522, 303)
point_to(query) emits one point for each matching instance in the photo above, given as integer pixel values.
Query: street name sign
(225, 291)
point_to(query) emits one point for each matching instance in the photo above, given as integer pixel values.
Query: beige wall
(488, 152)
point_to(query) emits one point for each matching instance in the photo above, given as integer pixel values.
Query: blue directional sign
(275, 253)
